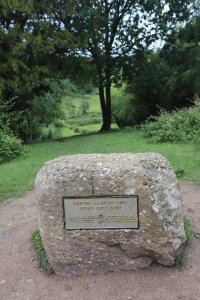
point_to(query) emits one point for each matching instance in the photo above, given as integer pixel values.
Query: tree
(168, 78)
(111, 31)
(41, 39)
(181, 52)
(28, 41)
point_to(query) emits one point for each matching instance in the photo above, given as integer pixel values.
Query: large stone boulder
(147, 177)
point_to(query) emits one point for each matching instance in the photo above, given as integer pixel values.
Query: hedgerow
(181, 125)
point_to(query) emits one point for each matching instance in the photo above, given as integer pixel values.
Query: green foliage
(88, 89)
(197, 143)
(41, 111)
(10, 147)
(21, 71)
(122, 110)
(77, 121)
(146, 75)
(49, 39)
(188, 233)
(180, 173)
(90, 118)
(28, 60)
(181, 260)
(45, 109)
(179, 126)
(181, 53)
(166, 78)
(40, 252)
(126, 111)
(84, 105)
(10, 120)
(112, 31)
(80, 130)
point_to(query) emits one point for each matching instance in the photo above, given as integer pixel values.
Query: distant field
(18, 176)
(77, 122)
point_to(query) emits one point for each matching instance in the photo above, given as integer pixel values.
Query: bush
(126, 111)
(41, 110)
(84, 105)
(122, 110)
(179, 126)
(45, 109)
(10, 147)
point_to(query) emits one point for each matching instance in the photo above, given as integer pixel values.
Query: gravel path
(20, 277)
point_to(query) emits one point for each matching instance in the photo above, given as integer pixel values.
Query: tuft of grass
(188, 232)
(181, 260)
(180, 173)
(40, 252)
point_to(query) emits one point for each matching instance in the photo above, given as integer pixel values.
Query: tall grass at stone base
(181, 125)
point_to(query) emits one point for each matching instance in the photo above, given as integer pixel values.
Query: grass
(188, 233)
(75, 119)
(40, 252)
(75, 122)
(181, 259)
(18, 176)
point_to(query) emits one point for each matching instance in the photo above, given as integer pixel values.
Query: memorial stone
(109, 212)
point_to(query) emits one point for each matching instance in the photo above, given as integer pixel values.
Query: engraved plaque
(101, 212)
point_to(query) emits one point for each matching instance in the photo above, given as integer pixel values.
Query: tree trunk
(105, 101)
(106, 122)
(106, 113)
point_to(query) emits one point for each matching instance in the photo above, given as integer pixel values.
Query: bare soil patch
(20, 277)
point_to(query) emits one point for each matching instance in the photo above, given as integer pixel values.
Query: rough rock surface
(149, 176)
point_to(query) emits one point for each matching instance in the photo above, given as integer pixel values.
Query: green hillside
(75, 120)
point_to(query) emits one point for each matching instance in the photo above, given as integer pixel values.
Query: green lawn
(18, 176)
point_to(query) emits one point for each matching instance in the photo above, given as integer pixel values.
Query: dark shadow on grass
(63, 139)
(68, 138)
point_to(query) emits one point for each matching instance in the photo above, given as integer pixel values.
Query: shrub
(122, 110)
(84, 105)
(10, 147)
(40, 110)
(45, 110)
(181, 125)
(127, 111)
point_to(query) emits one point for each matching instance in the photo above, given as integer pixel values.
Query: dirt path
(20, 277)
